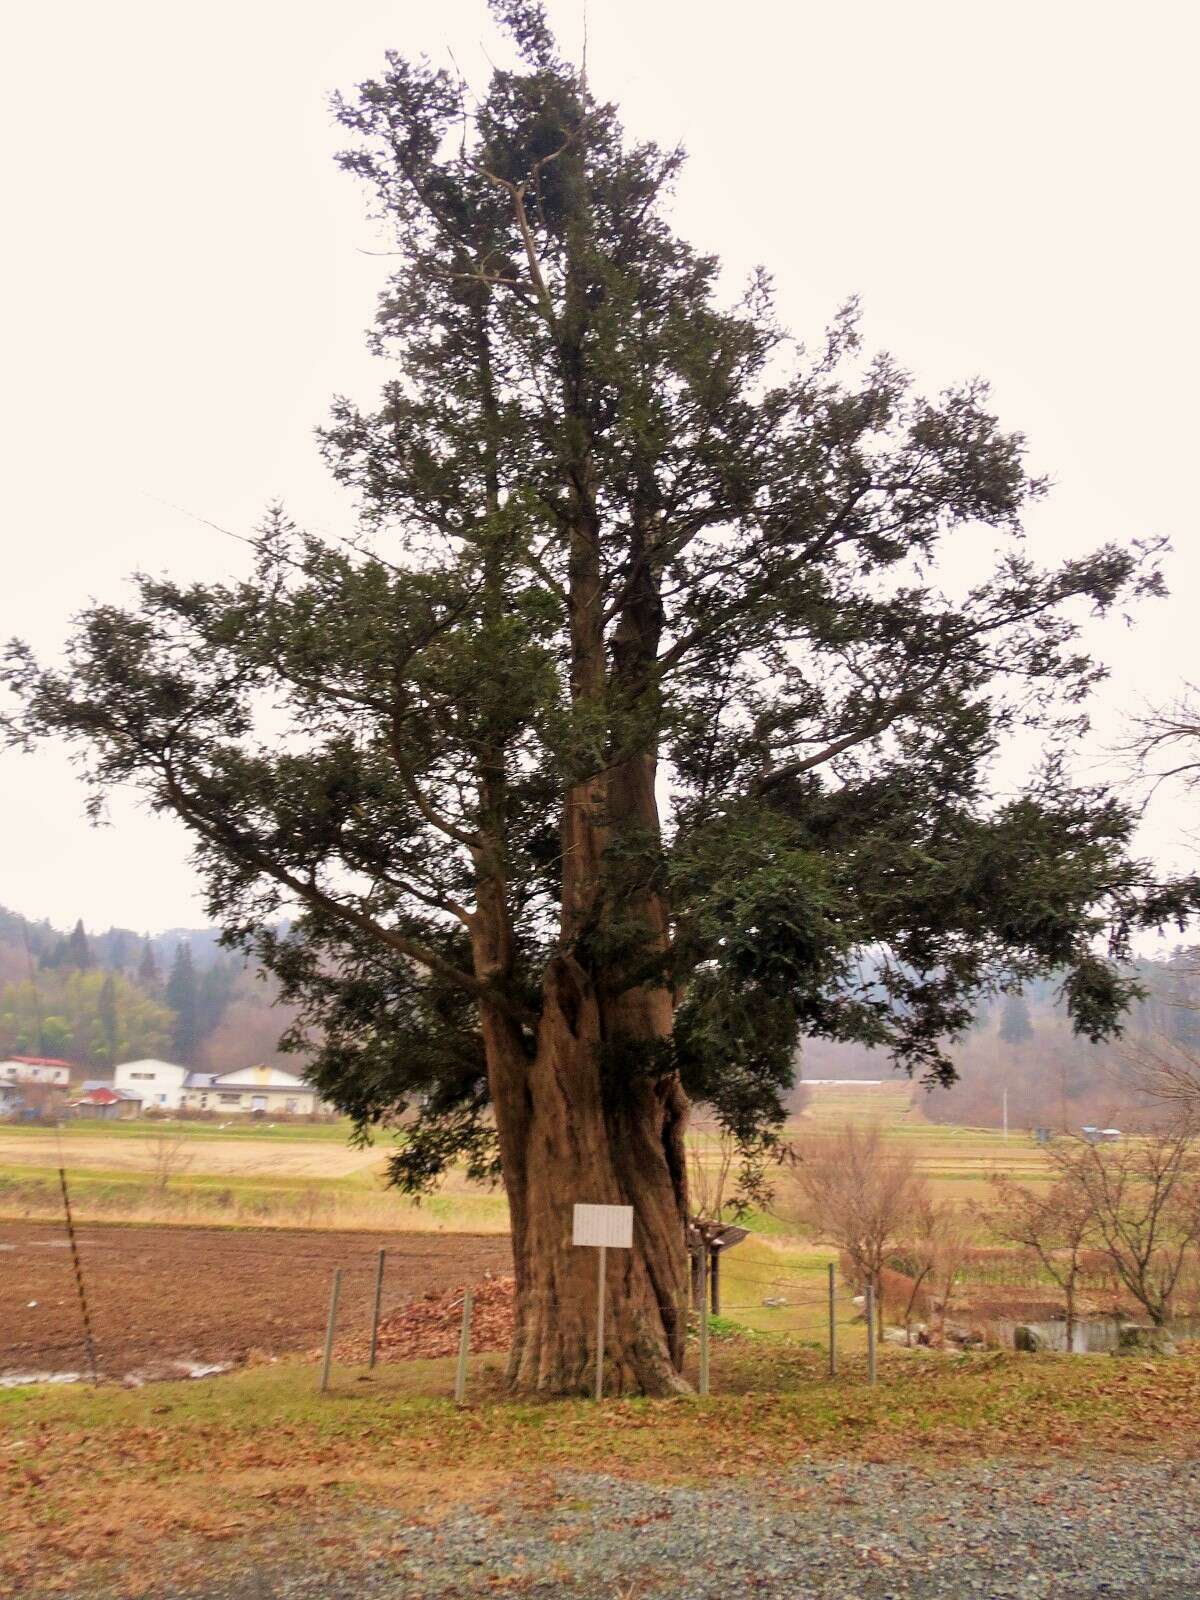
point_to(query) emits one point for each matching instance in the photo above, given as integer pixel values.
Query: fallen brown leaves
(108, 1483)
(430, 1327)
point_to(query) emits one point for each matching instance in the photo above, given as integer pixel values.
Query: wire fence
(131, 1304)
(824, 1315)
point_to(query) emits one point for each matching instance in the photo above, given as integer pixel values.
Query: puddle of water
(1092, 1335)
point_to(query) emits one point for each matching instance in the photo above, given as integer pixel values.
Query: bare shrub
(1166, 1073)
(935, 1251)
(1144, 1200)
(859, 1191)
(170, 1155)
(1054, 1227)
(711, 1174)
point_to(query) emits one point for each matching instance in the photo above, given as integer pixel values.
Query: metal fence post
(89, 1342)
(375, 1311)
(714, 1298)
(870, 1333)
(333, 1306)
(832, 1323)
(601, 1275)
(704, 1320)
(464, 1349)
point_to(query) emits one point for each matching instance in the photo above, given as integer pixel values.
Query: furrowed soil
(159, 1296)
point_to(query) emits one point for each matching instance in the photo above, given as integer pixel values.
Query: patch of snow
(203, 1369)
(17, 1380)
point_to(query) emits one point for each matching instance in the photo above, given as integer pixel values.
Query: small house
(103, 1103)
(36, 1069)
(155, 1083)
(260, 1090)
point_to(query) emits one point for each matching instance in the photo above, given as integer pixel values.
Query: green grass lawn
(355, 1200)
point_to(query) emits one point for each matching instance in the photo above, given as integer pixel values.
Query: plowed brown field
(165, 1295)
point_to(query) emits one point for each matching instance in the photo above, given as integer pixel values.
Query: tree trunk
(576, 1138)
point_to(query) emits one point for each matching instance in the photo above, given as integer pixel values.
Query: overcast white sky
(1010, 188)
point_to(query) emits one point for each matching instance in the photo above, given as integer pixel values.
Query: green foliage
(183, 997)
(73, 951)
(93, 1018)
(1016, 1026)
(613, 521)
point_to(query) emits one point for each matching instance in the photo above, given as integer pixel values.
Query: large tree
(183, 997)
(630, 736)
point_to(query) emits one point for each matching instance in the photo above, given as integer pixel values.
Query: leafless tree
(710, 1173)
(920, 1254)
(1057, 1226)
(950, 1235)
(170, 1155)
(1165, 1072)
(1166, 740)
(859, 1191)
(1144, 1198)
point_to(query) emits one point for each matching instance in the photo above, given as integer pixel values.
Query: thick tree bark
(593, 1112)
(571, 1137)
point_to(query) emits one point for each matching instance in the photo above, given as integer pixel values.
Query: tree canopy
(632, 712)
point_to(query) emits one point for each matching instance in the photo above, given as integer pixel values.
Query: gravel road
(1005, 1531)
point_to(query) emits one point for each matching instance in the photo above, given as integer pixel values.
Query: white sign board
(611, 1226)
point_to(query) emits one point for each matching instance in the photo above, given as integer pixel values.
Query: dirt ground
(164, 1295)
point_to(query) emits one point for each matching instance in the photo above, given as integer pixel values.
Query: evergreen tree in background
(147, 971)
(107, 1012)
(1016, 1027)
(216, 988)
(79, 950)
(182, 996)
(117, 949)
(622, 540)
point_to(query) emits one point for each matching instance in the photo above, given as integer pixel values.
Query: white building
(155, 1083)
(267, 1090)
(35, 1069)
(166, 1086)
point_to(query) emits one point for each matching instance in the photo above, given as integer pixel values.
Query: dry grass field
(101, 1150)
(304, 1175)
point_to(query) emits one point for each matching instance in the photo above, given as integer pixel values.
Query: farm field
(233, 1250)
(209, 1153)
(296, 1175)
(207, 1295)
(308, 1175)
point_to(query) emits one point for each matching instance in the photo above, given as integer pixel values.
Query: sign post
(602, 1227)
(704, 1322)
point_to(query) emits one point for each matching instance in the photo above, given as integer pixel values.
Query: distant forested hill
(97, 999)
(1023, 1042)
